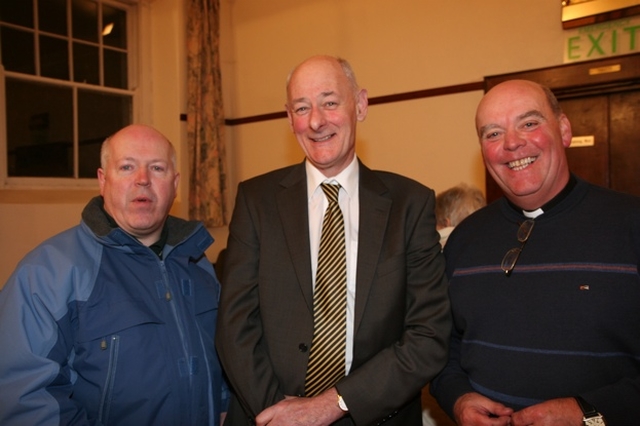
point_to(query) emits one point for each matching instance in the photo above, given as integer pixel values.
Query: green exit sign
(597, 41)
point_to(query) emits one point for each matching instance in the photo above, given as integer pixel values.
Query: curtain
(205, 115)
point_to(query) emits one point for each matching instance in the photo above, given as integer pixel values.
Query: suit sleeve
(240, 340)
(417, 345)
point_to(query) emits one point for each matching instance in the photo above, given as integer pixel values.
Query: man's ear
(101, 180)
(362, 104)
(176, 182)
(565, 131)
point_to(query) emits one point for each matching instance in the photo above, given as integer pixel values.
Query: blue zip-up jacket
(96, 329)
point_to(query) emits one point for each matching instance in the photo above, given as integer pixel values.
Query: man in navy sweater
(544, 282)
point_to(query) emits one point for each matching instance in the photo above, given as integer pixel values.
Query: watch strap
(588, 410)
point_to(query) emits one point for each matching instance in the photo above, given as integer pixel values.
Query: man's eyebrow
(135, 160)
(486, 127)
(305, 99)
(532, 113)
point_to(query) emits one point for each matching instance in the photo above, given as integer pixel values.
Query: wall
(394, 47)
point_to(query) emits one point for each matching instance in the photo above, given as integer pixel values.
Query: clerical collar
(549, 204)
(156, 247)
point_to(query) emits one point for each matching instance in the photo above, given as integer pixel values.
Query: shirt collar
(348, 178)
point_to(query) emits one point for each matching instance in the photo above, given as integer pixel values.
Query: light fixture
(107, 29)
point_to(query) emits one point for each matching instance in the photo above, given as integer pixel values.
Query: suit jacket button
(302, 347)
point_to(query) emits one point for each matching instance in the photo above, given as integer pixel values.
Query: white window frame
(137, 16)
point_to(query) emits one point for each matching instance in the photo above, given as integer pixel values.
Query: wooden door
(624, 119)
(589, 118)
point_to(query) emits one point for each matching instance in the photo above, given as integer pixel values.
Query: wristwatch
(341, 404)
(590, 416)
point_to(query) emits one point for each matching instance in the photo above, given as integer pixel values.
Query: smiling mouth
(323, 139)
(521, 164)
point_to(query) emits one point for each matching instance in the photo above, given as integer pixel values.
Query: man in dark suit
(397, 310)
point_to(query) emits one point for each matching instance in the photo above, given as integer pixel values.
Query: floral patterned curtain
(205, 115)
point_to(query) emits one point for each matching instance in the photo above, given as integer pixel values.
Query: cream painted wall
(394, 47)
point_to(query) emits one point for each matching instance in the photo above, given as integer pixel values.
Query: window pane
(39, 129)
(99, 115)
(84, 15)
(18, 52)
(54, 58)
(57, 130)
(19, 12)
(115, 69)
(52, 16)
(86, 64)
(115, 21)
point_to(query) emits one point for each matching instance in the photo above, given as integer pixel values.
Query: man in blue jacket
(113, 321)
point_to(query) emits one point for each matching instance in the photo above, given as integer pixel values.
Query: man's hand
(473, 409)
(320, 410)
(555, 412)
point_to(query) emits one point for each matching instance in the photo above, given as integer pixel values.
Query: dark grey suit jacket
(402, 318)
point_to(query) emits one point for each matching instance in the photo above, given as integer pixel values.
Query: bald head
(138, 132)
(340, 65)
(511, 88)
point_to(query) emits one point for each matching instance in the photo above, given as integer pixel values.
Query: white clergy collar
(533, 214)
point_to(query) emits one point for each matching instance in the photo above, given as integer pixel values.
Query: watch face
(342, 404)
(595, 421)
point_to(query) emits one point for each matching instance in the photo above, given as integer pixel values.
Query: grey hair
(552, 100)
(105, 151)
(457, 203)
(349, 73)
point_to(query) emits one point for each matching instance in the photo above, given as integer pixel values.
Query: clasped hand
(321, 410)
(473, 409)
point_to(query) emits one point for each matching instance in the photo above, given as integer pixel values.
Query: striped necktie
(327, 355)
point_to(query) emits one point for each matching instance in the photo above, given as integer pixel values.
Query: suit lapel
(294, 214)
(374, 214)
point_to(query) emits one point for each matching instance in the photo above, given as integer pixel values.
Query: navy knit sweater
(567, 320)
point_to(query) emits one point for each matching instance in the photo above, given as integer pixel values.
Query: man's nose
(513, 140)
(142, 177)
(316, 119)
